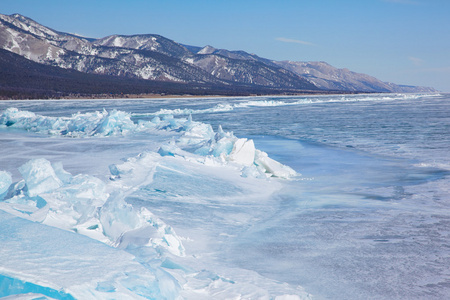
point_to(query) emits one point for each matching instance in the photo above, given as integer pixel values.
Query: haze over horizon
(400, 41)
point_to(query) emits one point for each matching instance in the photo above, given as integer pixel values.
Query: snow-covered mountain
(151, 42)
(327, 77)
(154, 57)
(321, 74)
(27, 38)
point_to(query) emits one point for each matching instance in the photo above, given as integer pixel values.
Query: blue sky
(401, 41)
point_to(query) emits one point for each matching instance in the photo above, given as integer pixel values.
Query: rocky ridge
(156, 58)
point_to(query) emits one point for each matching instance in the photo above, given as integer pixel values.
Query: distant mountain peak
(18, 16)
(21, 17)
(207, 50)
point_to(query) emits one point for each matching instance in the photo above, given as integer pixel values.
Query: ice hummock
(194, 137)
(78, 125)
(100, 209)
(40, 177)
(88, 206)
(84, 204)
(328, 232)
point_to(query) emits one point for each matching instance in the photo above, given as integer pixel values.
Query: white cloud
(285, 40)
(416, 61)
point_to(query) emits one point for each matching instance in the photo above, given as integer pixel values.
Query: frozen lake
(314, 197)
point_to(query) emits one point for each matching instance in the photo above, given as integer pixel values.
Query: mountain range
(38, 61)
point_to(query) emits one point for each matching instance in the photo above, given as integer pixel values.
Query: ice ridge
(85, 204)
(195, 140)
(224, 107)
(99, 209)
(78, 125)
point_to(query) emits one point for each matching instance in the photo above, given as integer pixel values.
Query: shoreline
(184, 96)
(164, 96)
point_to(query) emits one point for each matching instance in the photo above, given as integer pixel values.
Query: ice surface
(243, 152)
(13, 288)
(271, 166)
(189, 210)
(285, 101)
(61, 265)
(5, 182)
(39, 177)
